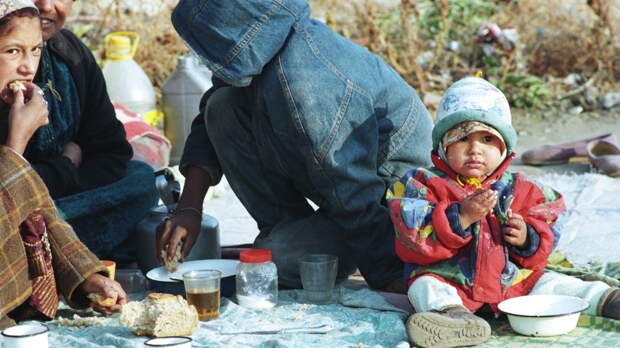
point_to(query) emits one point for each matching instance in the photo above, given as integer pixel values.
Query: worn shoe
(563, 152)
(605, 156)
(451, 327)
(609, 304)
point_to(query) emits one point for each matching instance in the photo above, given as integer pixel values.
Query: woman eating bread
(40, 255)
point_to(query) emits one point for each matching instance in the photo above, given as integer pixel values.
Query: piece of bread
(82, 321)
(16, 86)
(174, 263)
(102, 301)
(160, 315)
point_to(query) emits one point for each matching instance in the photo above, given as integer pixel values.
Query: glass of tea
(203, 291)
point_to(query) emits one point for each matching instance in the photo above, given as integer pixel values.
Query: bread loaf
(160, 315)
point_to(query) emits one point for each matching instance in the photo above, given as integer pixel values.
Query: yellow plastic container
(126, 82)
(119, 46)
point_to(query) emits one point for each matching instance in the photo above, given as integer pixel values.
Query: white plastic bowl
(543, 315)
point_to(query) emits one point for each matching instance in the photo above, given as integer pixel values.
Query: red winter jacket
(424, 207)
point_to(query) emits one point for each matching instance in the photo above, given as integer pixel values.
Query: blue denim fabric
(309, 115)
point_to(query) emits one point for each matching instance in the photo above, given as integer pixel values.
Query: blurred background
(548, 56)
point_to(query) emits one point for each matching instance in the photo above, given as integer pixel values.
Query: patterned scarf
(61, 93)
(44, 297)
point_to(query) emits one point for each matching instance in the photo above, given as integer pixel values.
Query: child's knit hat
(473, 99)
(10, 6)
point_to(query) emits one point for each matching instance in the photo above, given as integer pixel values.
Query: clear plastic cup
(132, 280)
(318, 276)
(202, 288)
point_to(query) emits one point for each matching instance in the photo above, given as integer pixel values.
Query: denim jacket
(355, 123)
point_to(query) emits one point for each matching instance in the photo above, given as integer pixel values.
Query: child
(22, 106)
(40, 255)
(470, 232)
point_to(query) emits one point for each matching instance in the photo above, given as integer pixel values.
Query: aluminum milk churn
(181, 95)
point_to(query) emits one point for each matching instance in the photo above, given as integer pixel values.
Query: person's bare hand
(73, 151)
(516, 231)
(169, 233)
(106, 287)
(28, 112)
(476, 206)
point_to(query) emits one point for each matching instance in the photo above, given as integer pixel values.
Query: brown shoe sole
(431, 329)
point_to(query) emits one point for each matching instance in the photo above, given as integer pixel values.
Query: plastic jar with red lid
(257, 279)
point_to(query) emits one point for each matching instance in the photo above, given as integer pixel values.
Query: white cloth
(429, 293)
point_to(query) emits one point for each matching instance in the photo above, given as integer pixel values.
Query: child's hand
(28, 112)
(476, 206)
(516, 231)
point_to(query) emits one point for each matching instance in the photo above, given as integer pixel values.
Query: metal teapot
(207, 244)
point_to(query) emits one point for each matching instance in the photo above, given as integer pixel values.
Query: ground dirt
(558, 128)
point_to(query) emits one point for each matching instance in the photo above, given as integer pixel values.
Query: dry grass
(160, 45)
(556, 37)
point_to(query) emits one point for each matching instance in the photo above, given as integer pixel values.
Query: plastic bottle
(257, 279)
(181, 94)
(126, 81)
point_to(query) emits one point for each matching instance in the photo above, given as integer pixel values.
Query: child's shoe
(451, 327)
(609, 305)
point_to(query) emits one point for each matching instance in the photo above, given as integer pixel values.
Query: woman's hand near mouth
(28, 112)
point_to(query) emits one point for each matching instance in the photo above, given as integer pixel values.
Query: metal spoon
(321, 329)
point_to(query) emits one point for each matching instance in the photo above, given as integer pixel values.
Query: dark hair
(22, 12)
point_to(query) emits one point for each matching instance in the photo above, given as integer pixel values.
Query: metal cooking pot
(207, 244)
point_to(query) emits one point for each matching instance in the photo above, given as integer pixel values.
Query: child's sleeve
(423, 225)
(540, 207)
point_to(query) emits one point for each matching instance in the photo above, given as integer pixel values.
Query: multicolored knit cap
(474, 105)
(10, 6)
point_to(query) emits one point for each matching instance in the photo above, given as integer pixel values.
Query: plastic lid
(120, 42)
(255, 255)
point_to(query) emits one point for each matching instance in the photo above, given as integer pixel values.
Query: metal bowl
(543, 315)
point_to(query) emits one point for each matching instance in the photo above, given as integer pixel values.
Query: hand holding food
(476, 206)
(173, 263)
(181, 229)
(105, 289)
(28, 112)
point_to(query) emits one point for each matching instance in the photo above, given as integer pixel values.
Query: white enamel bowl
(543, 315)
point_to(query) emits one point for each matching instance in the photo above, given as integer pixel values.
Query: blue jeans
(270, 179)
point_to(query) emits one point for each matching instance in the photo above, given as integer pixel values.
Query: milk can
(256, 279)
(126, 82)
(207, 244)
(181, 94)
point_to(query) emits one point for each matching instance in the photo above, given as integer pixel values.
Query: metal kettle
(207, 244)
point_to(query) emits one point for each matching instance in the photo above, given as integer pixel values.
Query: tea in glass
(203, 292)
(207, 303)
